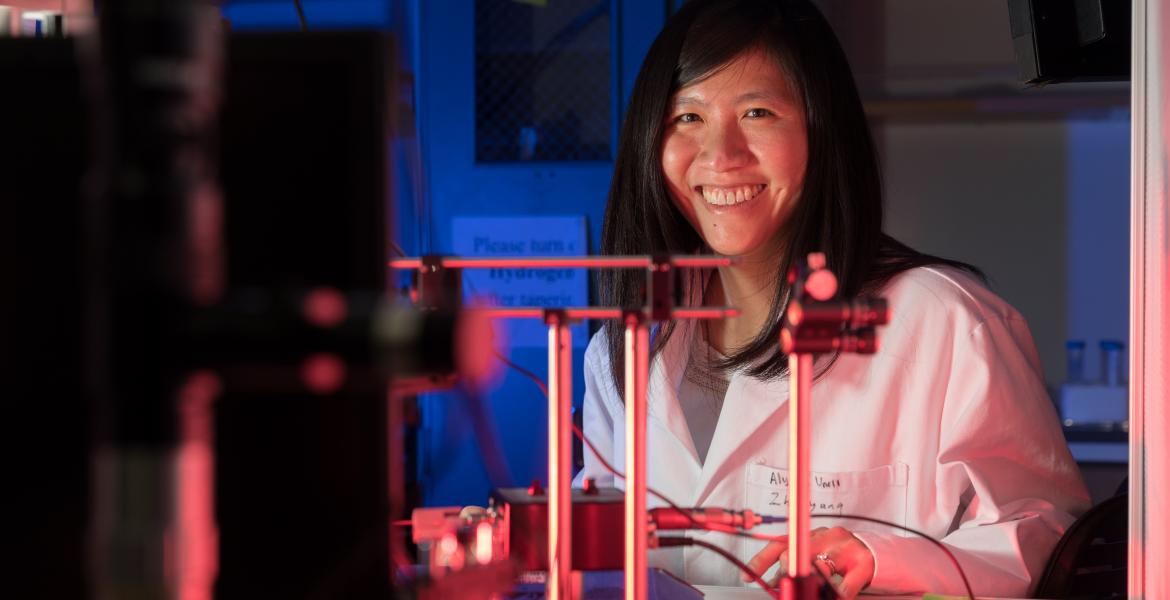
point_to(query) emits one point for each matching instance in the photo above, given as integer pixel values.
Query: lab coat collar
(669, 367)
(748, 406)
(665, 380)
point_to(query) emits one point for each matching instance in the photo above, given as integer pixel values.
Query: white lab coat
(947, 430)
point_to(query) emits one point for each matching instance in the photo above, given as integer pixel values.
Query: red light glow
(325, 307)
(323, 373)
(197, 538)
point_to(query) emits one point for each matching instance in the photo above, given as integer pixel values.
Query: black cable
(941, 546)
(757, 577)
(772, 519)
(688, 541)
(767, 518)
(301, 15)
(696, 525)
(662, 540)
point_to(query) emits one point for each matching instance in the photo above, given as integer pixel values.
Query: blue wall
(319, 14)
(435, 179)
(451, 469)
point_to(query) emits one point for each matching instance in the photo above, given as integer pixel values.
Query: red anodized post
(800, 383)
(560, 453)
(637, 368)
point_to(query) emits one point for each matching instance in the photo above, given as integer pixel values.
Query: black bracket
(826, 324)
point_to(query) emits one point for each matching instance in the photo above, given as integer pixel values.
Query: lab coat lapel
(665, 378)
(749, 405)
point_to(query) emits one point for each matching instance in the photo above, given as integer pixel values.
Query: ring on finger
(824, 557)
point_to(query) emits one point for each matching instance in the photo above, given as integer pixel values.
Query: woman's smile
(729, 196)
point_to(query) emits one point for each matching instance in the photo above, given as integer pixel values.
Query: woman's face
(734, 154)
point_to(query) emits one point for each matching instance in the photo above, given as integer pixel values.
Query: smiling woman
(801, 123)
(745, 136)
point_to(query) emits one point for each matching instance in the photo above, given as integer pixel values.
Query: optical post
(816, 322)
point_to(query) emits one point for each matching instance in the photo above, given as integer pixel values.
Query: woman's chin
(731, 247)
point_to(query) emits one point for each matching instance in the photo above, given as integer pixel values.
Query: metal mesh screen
(542, 80)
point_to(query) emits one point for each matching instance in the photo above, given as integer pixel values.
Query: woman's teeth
(731, 195)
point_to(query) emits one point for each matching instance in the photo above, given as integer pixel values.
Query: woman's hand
(835, 551)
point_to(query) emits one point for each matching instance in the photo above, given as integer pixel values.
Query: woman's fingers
(855, 579)
(824, 569)
(763, 559)
(843, 555)
(847, 556)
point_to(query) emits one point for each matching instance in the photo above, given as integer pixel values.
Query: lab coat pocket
(878, 493)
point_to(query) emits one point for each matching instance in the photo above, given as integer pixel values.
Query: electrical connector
(702, 518)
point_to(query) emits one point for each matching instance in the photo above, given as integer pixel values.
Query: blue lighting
(331, 14)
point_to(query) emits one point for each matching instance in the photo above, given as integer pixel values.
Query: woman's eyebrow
(761, 95)
(745, 97)
(687, 101)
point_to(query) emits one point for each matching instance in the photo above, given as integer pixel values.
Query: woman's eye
(756, 113)
(687, 118)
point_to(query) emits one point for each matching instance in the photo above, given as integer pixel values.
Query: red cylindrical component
(670, 519)
(834, 312)
(810, 339)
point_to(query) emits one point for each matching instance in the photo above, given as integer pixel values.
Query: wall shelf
(999, 106)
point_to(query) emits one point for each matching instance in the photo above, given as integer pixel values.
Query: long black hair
(839, 211)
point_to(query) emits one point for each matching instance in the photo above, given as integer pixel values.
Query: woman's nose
(725, 148)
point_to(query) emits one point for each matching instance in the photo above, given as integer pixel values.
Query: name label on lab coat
(878, 493)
